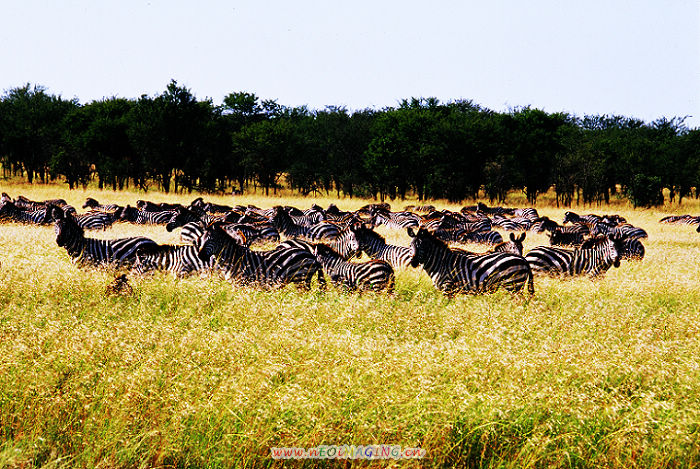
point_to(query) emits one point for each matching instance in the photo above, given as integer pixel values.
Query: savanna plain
(196, 372)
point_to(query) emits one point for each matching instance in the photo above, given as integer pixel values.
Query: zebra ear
(521, 238)
(410, 232)
(512, 237)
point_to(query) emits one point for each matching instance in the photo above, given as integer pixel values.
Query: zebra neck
(330, 263)
(76, 246)
(375, 248)
(437, 260)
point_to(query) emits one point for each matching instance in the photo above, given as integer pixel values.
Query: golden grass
(197, 373)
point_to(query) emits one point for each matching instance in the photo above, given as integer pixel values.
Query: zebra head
(91, 203)
(543, 224)
(180, 217)
(66, 228)
(213, 242)
(571, 217)
(619, 246)
(514, 246)
(421, 246)
(609, 248)
(366, 237)
(347, 244)
(129, 214)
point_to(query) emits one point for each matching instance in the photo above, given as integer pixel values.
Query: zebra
(9, 211)
(400, 220)
(514, 246)
(345, 244)
(96, 220)
(147, 206)
(566, 238)
(454, 272)
(179, 259)
(528, 213)
(286, 225)
(24, 203)
(93, 204)
(512, 224)
(681, 220)
(209, 207)
(594, 258)
(371, 275)
(542, 224)
(142, 217)
(481, 237)
(272, 268)
(632, 249)
(626, 231)
(82, 250)
(374, 245)
(590, 219)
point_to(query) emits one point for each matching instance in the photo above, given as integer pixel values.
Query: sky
(634, 58)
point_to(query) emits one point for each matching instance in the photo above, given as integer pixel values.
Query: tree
(32, 127)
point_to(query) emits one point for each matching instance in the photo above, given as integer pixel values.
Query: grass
(197, 373)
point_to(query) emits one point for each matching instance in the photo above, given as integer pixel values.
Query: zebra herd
(320, 243)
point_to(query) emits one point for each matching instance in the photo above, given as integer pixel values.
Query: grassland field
(195, 372)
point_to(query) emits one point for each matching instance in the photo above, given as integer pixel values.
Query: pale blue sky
(634, 58)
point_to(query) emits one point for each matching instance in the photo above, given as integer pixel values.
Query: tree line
(457, 150)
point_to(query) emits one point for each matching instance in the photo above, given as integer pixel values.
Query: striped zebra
(284, 223)
(93, 204)
(24, 203)
(271, 268)
(397, 220)
(374, 245)
(179, 259)
(626, 231)
(371, 275)
(594, 258)
(528, 213)
(681, 220)
(147, 206)
(10, 212)
(590, 219)
(632, 249)
(82, 250)
(345, 244)
(481, 237)
(512, 224)
(543, 224)
(454, 272)
(566, 238)
(141, 217)
(514, 246)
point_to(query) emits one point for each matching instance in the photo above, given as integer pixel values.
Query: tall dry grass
(198, 373)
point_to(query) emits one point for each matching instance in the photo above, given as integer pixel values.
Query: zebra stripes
(10, 212)
(271, 268)
(453, 272)
(374, 245)
(594, 258)
(181, 260)
(82, 250)
(372, 275)
(141, 217)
